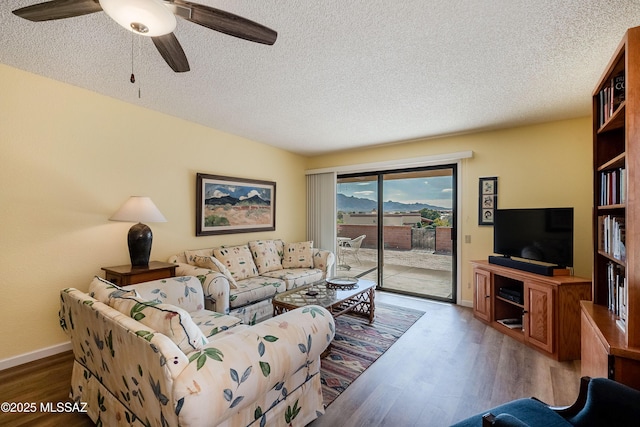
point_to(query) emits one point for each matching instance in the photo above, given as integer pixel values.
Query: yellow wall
(546, 165)
(69, 158)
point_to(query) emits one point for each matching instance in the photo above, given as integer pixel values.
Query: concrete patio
(415, 271)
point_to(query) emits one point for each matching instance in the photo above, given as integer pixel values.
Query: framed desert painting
(226, 205)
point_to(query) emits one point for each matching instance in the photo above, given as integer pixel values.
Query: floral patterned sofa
(151, 355)
(241, 280)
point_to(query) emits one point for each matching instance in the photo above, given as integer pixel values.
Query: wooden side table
(123, 275)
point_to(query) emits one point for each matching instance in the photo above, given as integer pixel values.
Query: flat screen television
(541, 234)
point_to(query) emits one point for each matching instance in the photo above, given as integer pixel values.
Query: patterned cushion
(321, 259)
(298, 255)
(238, 260)
(266, 255)
(182, 291)
(251, 314)
(189, 255)
(212, 263)
(255, 289)
(279, 247)
(104, 291)
(294, 277)
(167, 319)
(211, 323)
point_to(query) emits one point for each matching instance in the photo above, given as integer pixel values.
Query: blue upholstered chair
(601, 402)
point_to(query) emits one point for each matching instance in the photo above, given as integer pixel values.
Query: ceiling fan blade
(224, 22)
(172, 52)
(58, 9)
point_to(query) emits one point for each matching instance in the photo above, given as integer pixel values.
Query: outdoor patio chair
(353, 246)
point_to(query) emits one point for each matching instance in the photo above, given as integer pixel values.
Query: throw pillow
(238, 260)
(104, 291)
(298, 255)
(189, 255)
(279, 247)
(213, 264)
(166, 319)
(266, 256)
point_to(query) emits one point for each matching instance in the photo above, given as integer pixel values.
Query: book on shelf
(610, 97)
(611, 236)
(617, 291)
(618, 90)
(622, 304)
(613, 187)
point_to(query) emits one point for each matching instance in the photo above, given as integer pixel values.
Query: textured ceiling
(345, 74)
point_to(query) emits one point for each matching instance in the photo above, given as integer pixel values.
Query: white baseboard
(466, 303)
(34, 355)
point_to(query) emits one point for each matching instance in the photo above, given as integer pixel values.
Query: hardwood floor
(446, 367)
(45, 381)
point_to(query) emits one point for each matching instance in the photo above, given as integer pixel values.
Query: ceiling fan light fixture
(145, 17)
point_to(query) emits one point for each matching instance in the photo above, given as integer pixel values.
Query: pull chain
(132, 79)
(139, 56)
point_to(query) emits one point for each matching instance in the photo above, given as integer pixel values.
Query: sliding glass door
(357, 204)
(398, 228)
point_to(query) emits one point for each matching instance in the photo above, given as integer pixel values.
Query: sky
(437, 190)
(238, 191)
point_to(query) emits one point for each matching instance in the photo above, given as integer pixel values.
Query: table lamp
(139, 209)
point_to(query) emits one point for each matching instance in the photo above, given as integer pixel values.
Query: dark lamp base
(139, 240)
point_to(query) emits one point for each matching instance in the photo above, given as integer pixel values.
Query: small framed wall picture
(488, 202)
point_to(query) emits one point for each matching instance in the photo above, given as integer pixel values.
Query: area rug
(357, 345)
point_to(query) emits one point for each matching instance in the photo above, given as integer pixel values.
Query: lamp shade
(146, 17)
(138, 209)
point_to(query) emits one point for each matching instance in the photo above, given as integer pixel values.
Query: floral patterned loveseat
(150, 355)
(242, 280)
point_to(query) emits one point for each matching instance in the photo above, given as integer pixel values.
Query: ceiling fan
(155, 19)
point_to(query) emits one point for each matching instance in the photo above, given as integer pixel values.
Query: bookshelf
(610, 324)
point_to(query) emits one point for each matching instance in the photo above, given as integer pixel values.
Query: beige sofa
(150, 355)
(241, 280)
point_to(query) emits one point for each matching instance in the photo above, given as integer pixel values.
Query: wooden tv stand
(549, 309)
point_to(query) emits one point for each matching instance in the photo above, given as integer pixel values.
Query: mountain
(356, 204)
(230, 200)
(226, 200)
(253, 201)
